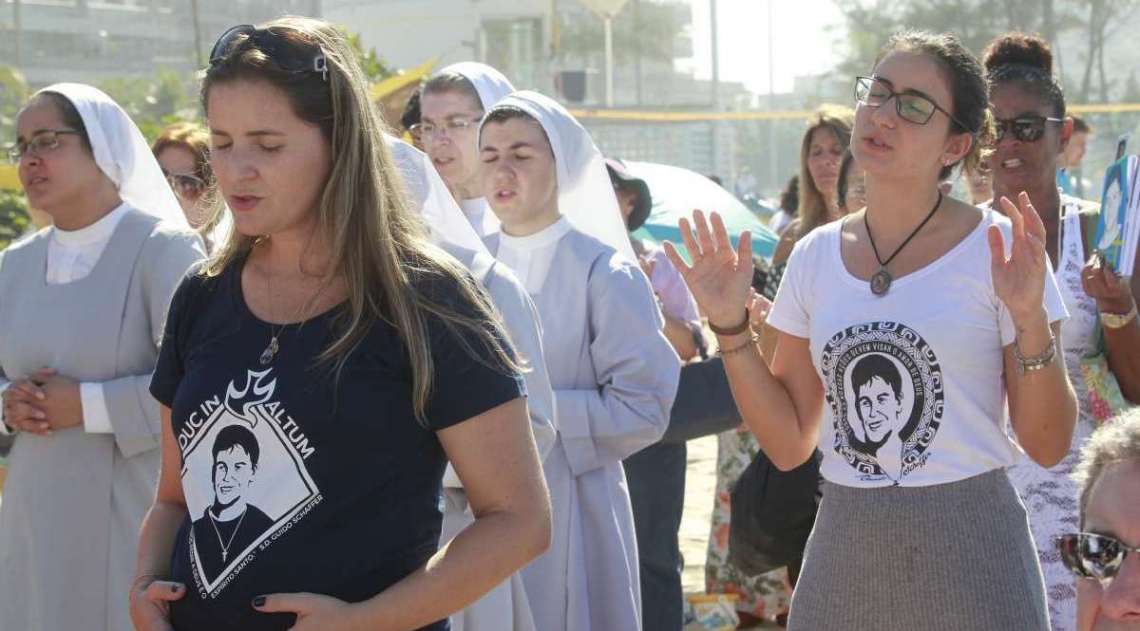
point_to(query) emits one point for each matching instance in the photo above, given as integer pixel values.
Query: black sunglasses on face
(1090, 555)
(1024, 128)
(286, 53)
(911, 107)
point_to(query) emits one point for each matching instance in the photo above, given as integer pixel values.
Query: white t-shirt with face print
(913, 385)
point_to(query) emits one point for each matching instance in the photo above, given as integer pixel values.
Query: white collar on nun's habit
(546, 237)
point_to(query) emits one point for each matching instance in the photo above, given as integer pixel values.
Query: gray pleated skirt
(953, 557)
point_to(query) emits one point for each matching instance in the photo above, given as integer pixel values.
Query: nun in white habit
(614, 373)
(451, 104)
(505, 608)
(86, 299)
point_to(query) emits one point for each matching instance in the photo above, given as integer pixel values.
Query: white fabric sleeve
(96, 418)
(790, 311)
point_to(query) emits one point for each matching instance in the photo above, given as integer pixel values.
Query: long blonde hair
(379, 244)
(812, 210)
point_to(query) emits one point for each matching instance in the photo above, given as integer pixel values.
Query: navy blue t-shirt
(298, 479)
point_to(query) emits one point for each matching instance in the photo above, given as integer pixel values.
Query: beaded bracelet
(1037, 362)
(736, 349)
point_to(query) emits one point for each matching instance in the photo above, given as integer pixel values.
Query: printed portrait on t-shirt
(244, 478)
(884, 388)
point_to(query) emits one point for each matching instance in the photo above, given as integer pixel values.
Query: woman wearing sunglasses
(183, 152)
(81, 310)
(318, 373)
(905, 330)
(1032, 134)
(1105, 554)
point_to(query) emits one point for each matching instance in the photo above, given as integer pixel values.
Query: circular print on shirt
(884, 386)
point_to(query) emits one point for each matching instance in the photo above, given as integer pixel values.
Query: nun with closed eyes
(613, 371)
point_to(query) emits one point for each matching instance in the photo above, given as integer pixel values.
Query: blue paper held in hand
(1114, 211)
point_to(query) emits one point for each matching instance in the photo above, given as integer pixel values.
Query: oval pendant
(269, 352)
(881, 282)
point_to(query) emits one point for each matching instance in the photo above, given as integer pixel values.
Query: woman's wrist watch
(1117, 320)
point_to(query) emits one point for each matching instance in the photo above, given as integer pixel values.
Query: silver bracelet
(1037, 362)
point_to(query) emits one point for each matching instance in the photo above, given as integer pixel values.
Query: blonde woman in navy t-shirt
(905, 331)
(318, 373)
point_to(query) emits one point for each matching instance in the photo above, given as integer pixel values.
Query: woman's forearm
(484, 555)
(1043, 406)
(156, 539)
(681, 337)
(784, 432)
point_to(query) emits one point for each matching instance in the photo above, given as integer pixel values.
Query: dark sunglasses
(286, 53)
(1024, 128)
(1091, 555)
(184, 185)
(913, 107)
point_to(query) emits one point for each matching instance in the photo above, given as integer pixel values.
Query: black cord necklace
(881, 280)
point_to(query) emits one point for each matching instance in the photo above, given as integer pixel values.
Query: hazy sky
(802, 43)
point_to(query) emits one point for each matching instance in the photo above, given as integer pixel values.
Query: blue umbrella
(677, 192)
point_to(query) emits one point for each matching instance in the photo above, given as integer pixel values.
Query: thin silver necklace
(275, 331)
(226, 546)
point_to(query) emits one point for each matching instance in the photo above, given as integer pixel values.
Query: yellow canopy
(397, 82)
(8, 178)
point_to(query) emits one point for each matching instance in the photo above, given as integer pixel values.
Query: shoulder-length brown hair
(194, 138)
(812, 210)
(378, 243)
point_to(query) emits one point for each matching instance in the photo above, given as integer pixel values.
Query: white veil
(122, 153)
(491, 85)
(585, 194)
(440, 212)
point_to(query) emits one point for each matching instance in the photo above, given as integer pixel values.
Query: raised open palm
(1019, 281)
(720, 277)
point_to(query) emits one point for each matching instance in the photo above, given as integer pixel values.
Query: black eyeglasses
(41, 142)
(1090, 555)
(1024, 128)
(286, 53)
(912, 107)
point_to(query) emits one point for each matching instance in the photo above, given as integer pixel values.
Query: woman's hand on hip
(314, 611)
(150, 603)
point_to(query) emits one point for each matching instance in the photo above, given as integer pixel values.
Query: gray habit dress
(74, 501)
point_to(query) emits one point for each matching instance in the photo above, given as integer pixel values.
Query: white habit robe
(614, 376)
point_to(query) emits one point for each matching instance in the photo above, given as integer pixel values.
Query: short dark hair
(868, 367)
(411, 114)
(1081, 126)
(68, 115)
(1026, 61)
(790, 196)
(504, 113)
(968, 88)
(452, 82)
(237, 436)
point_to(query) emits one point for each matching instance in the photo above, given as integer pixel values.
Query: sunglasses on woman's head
(1024, 128)
(286, 53)
(1089, 555)
(184, 185)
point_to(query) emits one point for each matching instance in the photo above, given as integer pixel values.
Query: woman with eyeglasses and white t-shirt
(905, 331)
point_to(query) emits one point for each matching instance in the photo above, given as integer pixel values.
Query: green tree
(374, 66)
(14, 219)
(13, 93)
(156, 101)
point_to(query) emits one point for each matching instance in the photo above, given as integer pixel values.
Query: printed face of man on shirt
(235, 465)
(878, 397)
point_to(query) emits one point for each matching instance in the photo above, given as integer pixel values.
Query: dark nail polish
(259, 601)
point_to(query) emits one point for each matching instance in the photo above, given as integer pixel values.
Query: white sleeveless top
(1078, 333)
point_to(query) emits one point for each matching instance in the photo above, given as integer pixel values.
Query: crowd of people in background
(298, 367)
